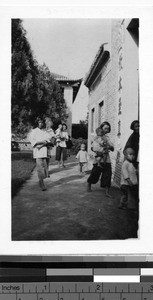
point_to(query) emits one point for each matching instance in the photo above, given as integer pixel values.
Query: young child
(129, 180)
(83, 158)
(58, 134)
(99, 146)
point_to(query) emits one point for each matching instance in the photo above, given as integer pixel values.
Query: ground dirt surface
(66, 211)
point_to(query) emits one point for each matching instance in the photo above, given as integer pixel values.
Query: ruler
(76, 291)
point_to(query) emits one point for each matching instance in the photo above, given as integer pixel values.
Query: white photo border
(141, 246)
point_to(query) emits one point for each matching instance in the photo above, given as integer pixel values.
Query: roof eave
(70, 81)
(98, 65)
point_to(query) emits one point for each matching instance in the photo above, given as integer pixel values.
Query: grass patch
(22, 166)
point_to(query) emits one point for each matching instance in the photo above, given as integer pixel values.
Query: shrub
(22, 166)
(80, 130)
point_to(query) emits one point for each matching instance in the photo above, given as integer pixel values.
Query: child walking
(129, 181)
(83, 158)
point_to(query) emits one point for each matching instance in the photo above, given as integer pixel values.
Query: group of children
(129, 169)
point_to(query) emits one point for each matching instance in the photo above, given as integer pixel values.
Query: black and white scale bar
(62, 278)
(146, 279)
(4, 272)
(77, 265)
(23, 279)
(65, 278)
(69, 272)
(147, 272)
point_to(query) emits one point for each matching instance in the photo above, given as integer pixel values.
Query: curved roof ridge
(64, 78)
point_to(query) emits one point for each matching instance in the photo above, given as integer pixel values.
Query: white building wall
(130, 84)
(96, 96)
(116, 93)
(119, 90)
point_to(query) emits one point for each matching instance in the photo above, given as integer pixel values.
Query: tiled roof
(64, 78)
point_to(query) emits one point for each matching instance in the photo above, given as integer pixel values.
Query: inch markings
(76, 291)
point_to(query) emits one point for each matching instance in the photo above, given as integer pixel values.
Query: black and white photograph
(75, 129)
(77, 92)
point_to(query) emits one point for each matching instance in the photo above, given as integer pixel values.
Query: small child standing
(83, 158)
(99, 146)
(129, 180)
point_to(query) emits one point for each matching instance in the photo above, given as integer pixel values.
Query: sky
(68, 47)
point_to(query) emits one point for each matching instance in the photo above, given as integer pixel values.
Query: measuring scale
(76, 291)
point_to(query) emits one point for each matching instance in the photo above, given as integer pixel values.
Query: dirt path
(66, 211)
